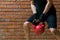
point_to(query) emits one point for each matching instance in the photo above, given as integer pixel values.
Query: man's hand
(36, 21)
(42, 17)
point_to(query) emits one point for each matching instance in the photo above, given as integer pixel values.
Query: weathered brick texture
(13, 13)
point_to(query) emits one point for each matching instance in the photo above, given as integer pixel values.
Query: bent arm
(33, 7)
(48, 6)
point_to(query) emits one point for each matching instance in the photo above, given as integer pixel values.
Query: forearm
(47, 7)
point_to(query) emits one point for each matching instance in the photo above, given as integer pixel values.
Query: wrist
(44, 13)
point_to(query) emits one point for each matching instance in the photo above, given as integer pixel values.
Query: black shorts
(50, 19)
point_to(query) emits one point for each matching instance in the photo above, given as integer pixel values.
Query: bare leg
(27, 30)
(56, 33)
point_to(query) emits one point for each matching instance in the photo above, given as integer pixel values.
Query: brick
(24, 6)
(10, 23)
(9, 27)
(23, 0)
(2, 6)
(56, 0)
(7, 0)
(57, 6)
(14, 37)
(12, 6)
(26, 3)
(13, 33)
(18, 3)
(15, 10)
(10, 0)
(56, 3)
(16, 13)
(13, 18)
(7, 3)
(58, 10)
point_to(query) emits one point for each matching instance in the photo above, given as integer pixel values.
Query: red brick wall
(13, 13)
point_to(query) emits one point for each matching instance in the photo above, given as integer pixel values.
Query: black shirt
(40, 5)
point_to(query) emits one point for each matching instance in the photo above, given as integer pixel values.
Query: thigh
(31, 18)
(51, 21)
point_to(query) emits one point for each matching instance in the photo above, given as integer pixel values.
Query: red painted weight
(39, 29)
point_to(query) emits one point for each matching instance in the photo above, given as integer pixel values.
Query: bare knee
(26, 23)
(52, 30)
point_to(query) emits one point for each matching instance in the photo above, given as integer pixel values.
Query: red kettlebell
(39, 29)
